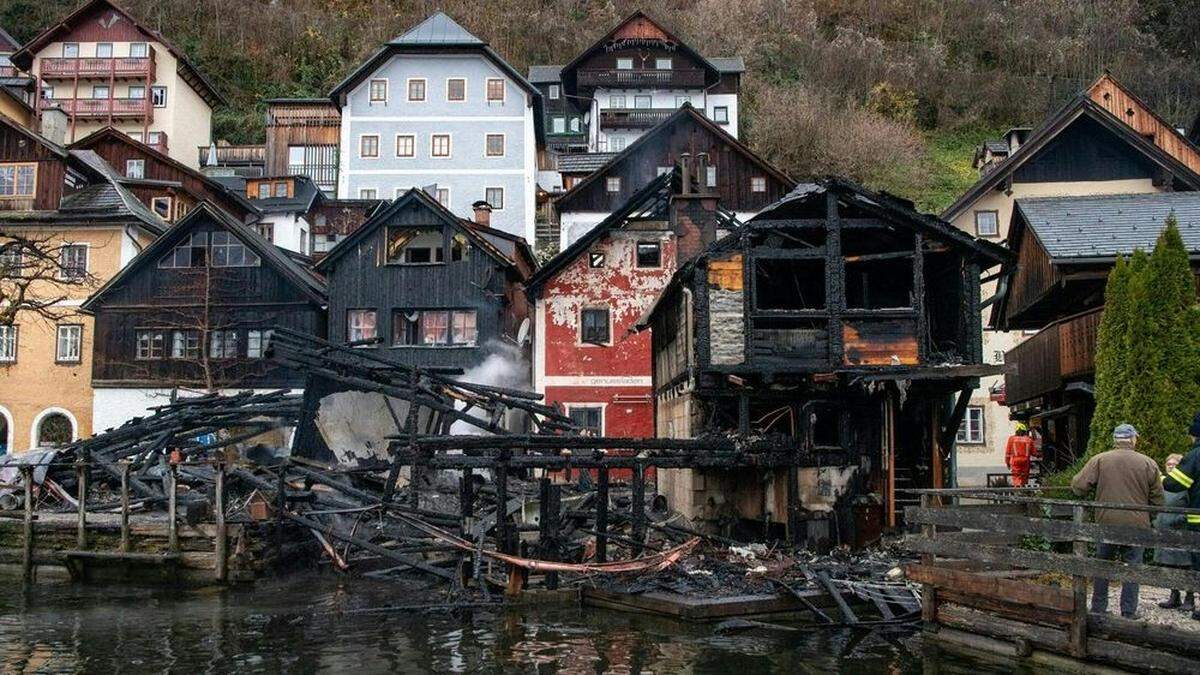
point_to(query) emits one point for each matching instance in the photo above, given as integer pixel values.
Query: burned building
(840, 319)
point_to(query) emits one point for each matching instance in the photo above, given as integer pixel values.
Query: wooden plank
(1159, 577)
(1060, 530)
(1007, 610)
(975, 621)
(141, 558)
(1007, 590)
(1121, 629)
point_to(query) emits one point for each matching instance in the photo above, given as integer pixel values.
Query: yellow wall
(36, 383)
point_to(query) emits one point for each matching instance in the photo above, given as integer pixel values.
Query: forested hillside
(891, 92)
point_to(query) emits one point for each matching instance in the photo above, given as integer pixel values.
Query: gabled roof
(272, 255)
(1106, 226)
(305, 194)
(381, 217)
(650, 202)
(728, 64)
(437, 29)
(648, 140)
(41, 140)
(111, 189)
(1080, 106)
(7, 42)
(544, 74)
(584, 162)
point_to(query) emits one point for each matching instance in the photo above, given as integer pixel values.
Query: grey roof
(543, 74)
(1110, 225)
(996, 146)
(728, 64)
(301, 200)
(437, 29)
(109, 195)
(581, 162)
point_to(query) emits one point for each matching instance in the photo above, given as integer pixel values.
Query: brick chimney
(694, 209)
(483, 213)
(53, 125)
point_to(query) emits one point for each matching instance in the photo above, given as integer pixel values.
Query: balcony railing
(303, 115)
(240, 155)
(103, 107)
(624, 77)
(633, 118)
(1062, 351)
(127, 66)
(8, 71)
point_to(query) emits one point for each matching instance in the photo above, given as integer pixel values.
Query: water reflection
(310, 625)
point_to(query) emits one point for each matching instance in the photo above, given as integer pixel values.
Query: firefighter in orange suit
(1019, 454)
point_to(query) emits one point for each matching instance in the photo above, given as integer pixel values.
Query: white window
(710, 177)
(416, 90)
(378, 91)
(456, 89)
(758, 184)
(8, 344)
(406, 145)
(494, 145)
(554, 92)
(494, 196)
(616, 101)
(18, 180)
(987, 223)
(558, 125)
(185, 344)
(154, 138)
(148, 344)
(73, 261)
(136, 135)
(625, 64)
(69, 344)
(360, 325)
(642, 101)
(104, 50)
(304, 241)
(138, 50)
(229, 251)
(616, 143)
(721, 114)
(662, 64)
(443, 196)
(971, 429)
(70, 50)
(100, 91)
(223, 344)
(135, 168)
(495, 90)
(256, 343)
(158, 96)
(574, 125)
(137, 91)
(368, 146)
(439, 145)
(367, 193)
(613, 184)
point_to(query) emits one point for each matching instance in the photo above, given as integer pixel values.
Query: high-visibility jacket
(1186, 478)
(1019, 448)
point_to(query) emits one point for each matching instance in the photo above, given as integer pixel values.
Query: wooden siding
(18, 147)
(1126, 107)
(1035, 275)
(299, 124)
(1086, 151)
(103, 24)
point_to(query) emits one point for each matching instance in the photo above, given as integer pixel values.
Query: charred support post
(222, 543)
(125, 507)
(602, 515)
(27, 534)
(638, 506)
(466, 501)
(81, 478)
(928, 591)
(1077, 633)
(280, 509)
(172, 511)
(793, 504)
(548, 521)
(502, 507)
(835, 279)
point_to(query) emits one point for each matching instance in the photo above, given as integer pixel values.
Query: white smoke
(504, 366)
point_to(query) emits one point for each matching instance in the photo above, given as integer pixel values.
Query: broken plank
(1023, 593)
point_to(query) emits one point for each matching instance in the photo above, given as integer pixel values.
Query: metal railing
(625, 77)
(633, 118)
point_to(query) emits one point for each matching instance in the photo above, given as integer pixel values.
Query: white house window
(710, 177)
(456, 89)
(439, 145)
(100, 91)
(148, 344)
(721, 114)
(139, 50)
(378, 91)
(758, 184)
(367, 193)
(256, 343)
(416, 90)
(625, 64)
(495, 198)
(368, 146)
(137, 92)
(616, 101)
(662, 64)
(558, 125)
(69, 343)
(135, 168)
(161, 206)
(616, 143)
(495, 145)
(154, 138)
(73, 261)
(612, 184)
(8, 343)
(589, 418)
(104, 50)
(642, 101)
(971, 428)
(223, 344)
(406, 145)
(70, 50)
(987, 223)
(360, 325)
(185, 344)
(575, 125)
(593, 326)
(443, 196)
(495, 89)
(554, 92)
(158, 96)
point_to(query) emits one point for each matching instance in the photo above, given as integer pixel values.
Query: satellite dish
(523, 333)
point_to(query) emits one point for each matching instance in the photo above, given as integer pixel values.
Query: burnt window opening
(823, 426)
(872, 240)
(879, 284)
(414, 246)
(649, 254)
(789, 284)
(800, 339)
(593, 326)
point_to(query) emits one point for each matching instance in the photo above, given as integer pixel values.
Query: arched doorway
(53, 427)
(6, 431)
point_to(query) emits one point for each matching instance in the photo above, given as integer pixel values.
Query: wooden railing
(8, 71)
(623, 77)
(234, 154)
(128, 66)
(990, 553)
(1063, 350)
(303, 115)
(102, 107)
(633, 118)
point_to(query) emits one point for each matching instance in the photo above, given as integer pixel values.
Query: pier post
(639, 506)
(222, 542)
(172, 504)
(550, 497)
(1079, 620)
(280, 511)
(27, 541)
(929, 598)
(124, 507)
(602, 516)
(466, 501)
(502, 507)
(81, 492)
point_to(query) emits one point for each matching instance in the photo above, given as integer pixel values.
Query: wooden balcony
(640, 78)
(303, 115)
(235, 155)
(117, 68)
(633, 118)
(1061, 352)
(89, 108)
(9, 71)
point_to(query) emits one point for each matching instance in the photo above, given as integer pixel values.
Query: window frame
(408, 89)
(554, 124)
(145, 50)
(964, 436)
(553, 92)
(261, 336)
(362, 139)
(192, 340)
(637, 254)
(449, 99)
(65, 49)
(487, 90)
(488, 190)
(612, 184)
(58, 343)
(487, 144)
(155, 101)
(63, 275)
(601, 408)
(224, 338)
(155, 201)
(352, 311)
(141, 168)
(412, 145)
(597, 259)
(579, 335)
(996, 223)
(758, 184)
(154, 334)
(437, 196)
(362, 193)
(621, 60)
(371, 90)
(10, 335)
(720, 114)
(433, 139)
(111, 52)
(614, 98)
(16, 171)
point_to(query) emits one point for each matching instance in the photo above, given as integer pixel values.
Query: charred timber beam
(765, 460)
(602, 516)
(918, 273)
(601, 442)
(372, 547)
(835, 283)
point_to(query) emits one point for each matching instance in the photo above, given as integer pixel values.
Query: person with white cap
(1120, 476)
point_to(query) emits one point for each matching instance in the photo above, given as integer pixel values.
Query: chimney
(54, 125)
(483, 213)
(702, 172)
(685, 167)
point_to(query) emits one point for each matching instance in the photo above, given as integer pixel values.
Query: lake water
(324, 624)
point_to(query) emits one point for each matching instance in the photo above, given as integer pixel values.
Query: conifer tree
(1112, 356)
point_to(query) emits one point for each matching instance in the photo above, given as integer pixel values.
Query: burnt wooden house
(841, 319)
(1065, 248)
(428, 288)
(196, 308)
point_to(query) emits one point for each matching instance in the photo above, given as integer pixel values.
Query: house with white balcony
(437, 108)
(104, 68)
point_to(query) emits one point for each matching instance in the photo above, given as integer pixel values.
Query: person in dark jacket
(1185, 478)
(1173, 557)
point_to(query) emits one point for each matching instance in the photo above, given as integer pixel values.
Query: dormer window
(264, 190)
(414, 246)
(281, 189)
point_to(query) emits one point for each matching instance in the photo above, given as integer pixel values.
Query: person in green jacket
(1185, 478)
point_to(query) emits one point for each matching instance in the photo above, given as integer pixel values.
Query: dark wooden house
(34, 169)
(1065, 248)
(427, 287)
(196, 309)
(841, 319)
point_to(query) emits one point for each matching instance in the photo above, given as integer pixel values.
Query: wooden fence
(989, 559)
